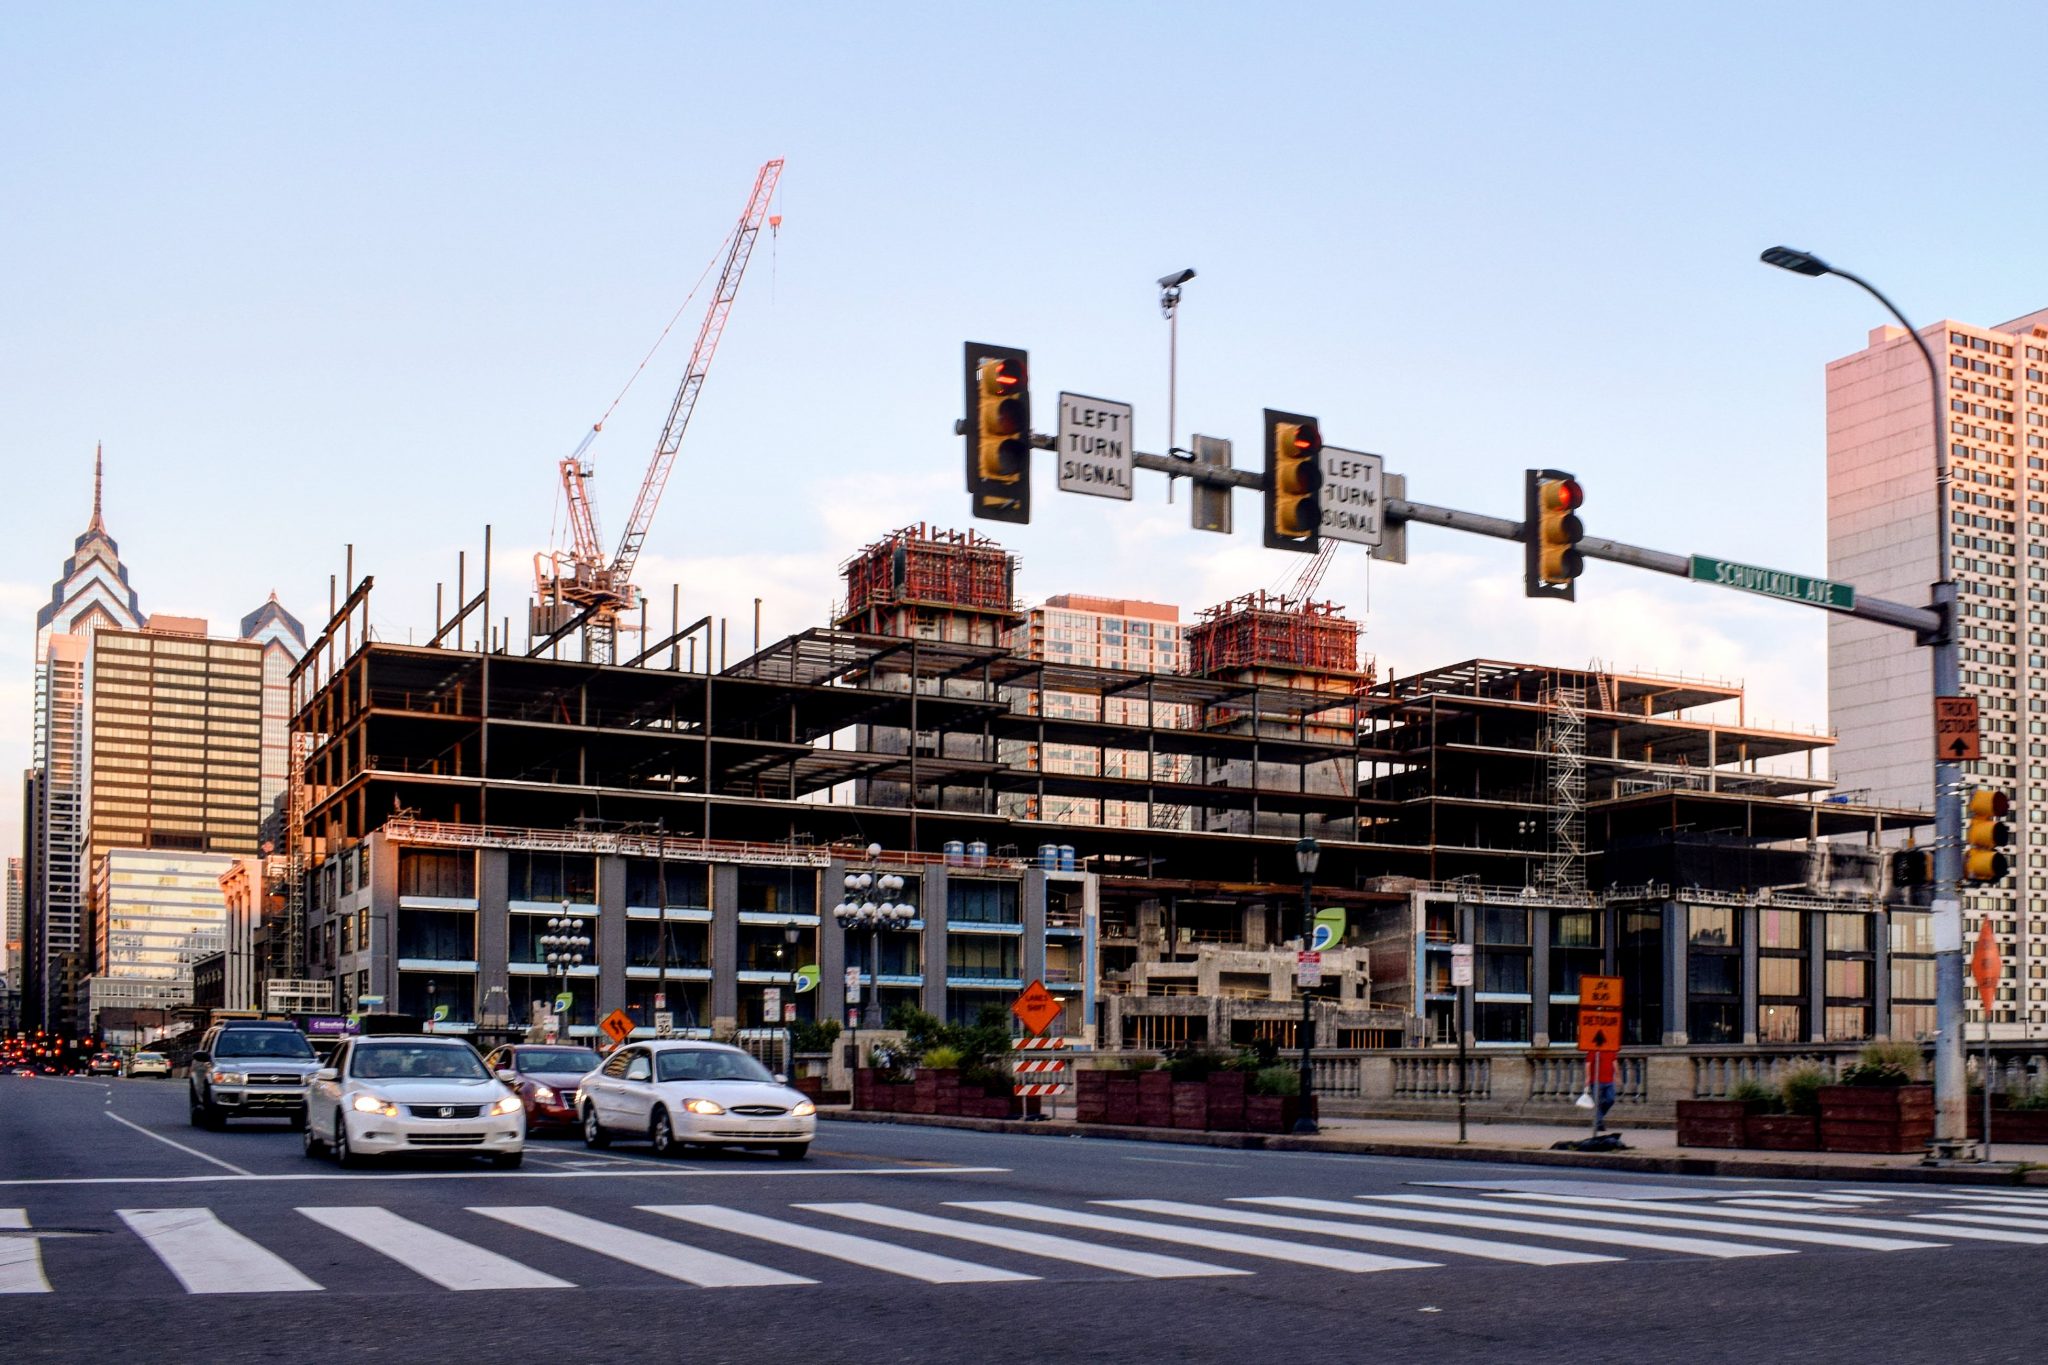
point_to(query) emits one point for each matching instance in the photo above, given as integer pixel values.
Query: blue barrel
(977, 854)
(1066, 857)
(956, 852)
(1049, 857)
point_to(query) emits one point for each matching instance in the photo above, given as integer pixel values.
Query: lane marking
(677, 1260)
(448, 1261)
(650, 1172)
(188, 1151)
(1272, 1249)
(1690, 1246)
(1853, 1222)
(1626, 1214)
(1365, 1232)
(209, 1257)
(1168, 1161)
(1953, 1193)
(21, 1258)
(1145, 1264)
(840, 1246)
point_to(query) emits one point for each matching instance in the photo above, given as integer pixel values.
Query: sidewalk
(1650, 1150)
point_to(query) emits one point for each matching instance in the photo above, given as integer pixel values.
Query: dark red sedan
(545, 1077)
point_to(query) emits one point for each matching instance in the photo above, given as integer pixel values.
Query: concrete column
(1031, 909)
(933, 996)
(832, 946)
(1816, 975)
(1747, 918)
(725, 945)
(1539, 976)
(1676, 931)
(610, 935)
(493, 936)
(1881, 974)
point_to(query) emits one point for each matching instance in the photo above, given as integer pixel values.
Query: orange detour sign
(1599, 1030)
(618, 1025)
(1986, 966)
(1956, 730)
(1037, 1007)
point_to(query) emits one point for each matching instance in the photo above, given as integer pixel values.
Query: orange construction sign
(1600, 992)
(1599, 1029)
(1956, 734)
(1037, 1007)
(618, 1025)
(1986, 966)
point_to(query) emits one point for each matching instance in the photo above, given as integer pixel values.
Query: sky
(361, 275)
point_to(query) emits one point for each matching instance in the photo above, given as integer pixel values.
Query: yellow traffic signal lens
(1989, 803)
(1296, 477)
(1002, 409)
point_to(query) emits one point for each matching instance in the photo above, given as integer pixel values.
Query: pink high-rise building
(1881, 537)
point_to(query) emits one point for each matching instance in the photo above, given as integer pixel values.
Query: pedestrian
(1600, 1083)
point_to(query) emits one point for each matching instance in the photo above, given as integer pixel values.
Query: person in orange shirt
(1600, 1082)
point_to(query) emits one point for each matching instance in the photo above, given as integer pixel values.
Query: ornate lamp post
(565, 944)
(873, 902)
(1307, 854)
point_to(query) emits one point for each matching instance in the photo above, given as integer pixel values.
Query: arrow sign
(1599, 1029)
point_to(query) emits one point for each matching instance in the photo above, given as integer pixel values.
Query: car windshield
(427, 1061)
(707, 1064)
(555, 1059)
(263, 1042)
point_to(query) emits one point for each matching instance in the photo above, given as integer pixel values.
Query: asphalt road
(127, 1234)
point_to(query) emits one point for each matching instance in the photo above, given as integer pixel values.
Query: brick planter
(1783, 1132)
(1155, 1099)
(2028, 1127)
(1874, 1118)
(1191, 1104)
(1122, 1104)
(1091, 1096)
(1226, 1100)
(1271, 1113)
(1716, 1123)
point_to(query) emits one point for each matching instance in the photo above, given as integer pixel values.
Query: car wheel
(298, 1120)
(508, 1161)
(793, 1151)
(344, 1157)
(594, 1134)
(205, 1115)
(662, 1134)
(314, 1146)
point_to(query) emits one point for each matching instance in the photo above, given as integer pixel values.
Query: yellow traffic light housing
(1985, 833)
(1294, 481)
(1551, 532)
(998, 432)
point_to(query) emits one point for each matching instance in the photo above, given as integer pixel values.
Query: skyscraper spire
(98, 451)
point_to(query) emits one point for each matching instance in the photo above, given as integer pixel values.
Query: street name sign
(1094, 446)
(1461, 964)
(1037, 1007)
(1956, 734)
(1792, 587)
(1599, 1029)
(1353, 497)
(618, 1026)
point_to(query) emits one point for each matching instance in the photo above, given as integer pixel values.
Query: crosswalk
(317, 1248)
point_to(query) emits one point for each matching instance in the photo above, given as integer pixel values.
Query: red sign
(1037, 1007)
(1986, 966)
(1599, 1029)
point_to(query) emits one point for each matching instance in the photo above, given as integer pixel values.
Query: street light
(1949, 1128)
(1307, 854)
(859, 910)
(564, 944)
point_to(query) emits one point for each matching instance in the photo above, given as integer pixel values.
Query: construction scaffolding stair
(1565, 746)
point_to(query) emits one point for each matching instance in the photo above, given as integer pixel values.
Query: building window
(688, 944)
(688, 884)
(981, 956)
(1712, 926)
(970, 901)
(441, 935)
(1496, 1021)
(533, 876)
(448, 873)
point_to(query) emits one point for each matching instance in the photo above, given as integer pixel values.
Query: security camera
(1176, 279)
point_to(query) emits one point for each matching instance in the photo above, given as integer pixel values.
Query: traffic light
(1911, 868)
(1551, 533)
(1984, 833)
(998, 432)
(1294, 481)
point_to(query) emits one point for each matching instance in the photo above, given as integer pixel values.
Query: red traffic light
(1565, 495)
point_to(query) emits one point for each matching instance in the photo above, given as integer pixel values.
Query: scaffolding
(1566, 746)
(921, 566)
(1267, 630)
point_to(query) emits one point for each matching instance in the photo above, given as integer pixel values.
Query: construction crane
(582, 587)
(1305, 583)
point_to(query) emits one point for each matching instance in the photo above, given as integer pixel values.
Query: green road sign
(1815, 592)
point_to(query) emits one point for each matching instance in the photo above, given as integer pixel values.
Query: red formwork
(922, 565)
(1266, 630)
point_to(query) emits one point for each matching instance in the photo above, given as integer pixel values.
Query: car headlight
(509, 1105)
(545, 1094)
(371, 1104)
(804, 1109)
(704, 1106)
(228, 1077)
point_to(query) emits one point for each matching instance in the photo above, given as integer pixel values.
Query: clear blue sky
(363, 273)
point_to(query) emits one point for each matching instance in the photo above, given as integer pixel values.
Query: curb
(1646, 1163)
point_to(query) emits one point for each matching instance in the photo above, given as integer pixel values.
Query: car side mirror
(326, 1073)
(201, 1058)
(781, 1078)
(508, 1077)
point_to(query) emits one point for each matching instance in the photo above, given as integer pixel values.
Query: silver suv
(251, 1068)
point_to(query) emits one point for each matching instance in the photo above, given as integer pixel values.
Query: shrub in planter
(1799, 1089)
(1196, 1063)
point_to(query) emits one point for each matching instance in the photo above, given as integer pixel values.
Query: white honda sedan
(677, 1094)
(400, 1093)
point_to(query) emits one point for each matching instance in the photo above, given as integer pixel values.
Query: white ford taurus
(676, 1094)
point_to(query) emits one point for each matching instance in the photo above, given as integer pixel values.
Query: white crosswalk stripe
(448, 1261)
(706, 1269)
(1270, 1248)
(1984, 1220)
(1446, 1216)
(1626, 1214)
(1361, 1232)
(1145, 1264)
(2033, 1211)
(209, 1257)
(1953, 1195)
(1852, 1222)
(21, 1260)
(840, 1246)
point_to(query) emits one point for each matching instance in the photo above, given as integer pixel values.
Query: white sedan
(676, 1094)
(397, 1093)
